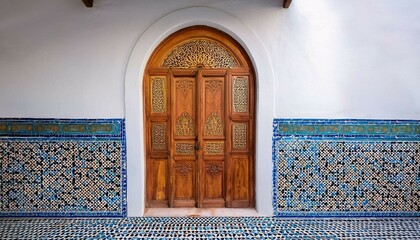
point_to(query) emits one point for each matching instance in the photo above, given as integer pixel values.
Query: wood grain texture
(202, 168)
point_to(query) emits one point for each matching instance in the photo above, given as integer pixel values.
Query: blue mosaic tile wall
(346, 167)
(62, 168)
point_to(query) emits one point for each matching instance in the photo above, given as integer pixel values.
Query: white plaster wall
(317, 59)
(348, 59)
(332, 58)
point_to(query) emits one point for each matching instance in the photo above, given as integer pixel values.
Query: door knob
(197, 145)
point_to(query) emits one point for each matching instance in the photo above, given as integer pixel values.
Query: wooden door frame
(153, 68)
(265, 80)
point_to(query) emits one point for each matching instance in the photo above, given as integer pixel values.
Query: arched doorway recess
(199, 102)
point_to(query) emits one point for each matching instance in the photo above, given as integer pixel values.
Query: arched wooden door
(199, 118)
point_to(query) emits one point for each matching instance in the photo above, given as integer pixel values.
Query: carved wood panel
(214, 148)
(214, 125)
(184, 179)
(199, 117)
(184, 125)
(214, 85)
(184, 99)
(240, 94)
(213, 106)
(184, 148)
(158, 95)
(214, 181)
(184, 114)
(239, 136)
(158, 136)
(213, 138)
(183, 169)
(157, 140)
(241, 140)
(199, 52)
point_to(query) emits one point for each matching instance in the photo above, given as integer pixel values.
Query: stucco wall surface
(332, 59)
(317, 59)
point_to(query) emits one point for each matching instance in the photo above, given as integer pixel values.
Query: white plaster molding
(140, 54)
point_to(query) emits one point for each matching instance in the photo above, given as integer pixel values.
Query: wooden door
(184, 145)
(199, 116)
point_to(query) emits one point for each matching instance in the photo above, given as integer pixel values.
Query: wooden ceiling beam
(286, 3)
(88, 3)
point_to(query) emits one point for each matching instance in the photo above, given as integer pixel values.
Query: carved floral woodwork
(184, 125)
(184, 148)
(199, 52)
(184, 85)
(159, 136)
(214, 169)
(240, 94)
(183, 168)
(214, 148)
(239, 136)
(214, 125)
(158, 95)
(214, 85)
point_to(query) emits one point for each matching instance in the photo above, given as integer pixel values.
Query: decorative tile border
(12, 127)
(62, 168)
(350, 128)
(323, 168)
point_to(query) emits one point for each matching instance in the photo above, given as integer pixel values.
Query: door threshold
(200, 212)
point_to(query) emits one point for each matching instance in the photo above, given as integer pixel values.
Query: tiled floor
(211, 228)
(200, 212)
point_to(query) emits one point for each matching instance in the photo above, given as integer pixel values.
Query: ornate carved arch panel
(204, 52)
(199, 97)
(199, 46)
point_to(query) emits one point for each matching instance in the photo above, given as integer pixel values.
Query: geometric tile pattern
(347, 128)
(32, 127)
(210, 228)
(343, 175)
(63, 175)
(346, 176)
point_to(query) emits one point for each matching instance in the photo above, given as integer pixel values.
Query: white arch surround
(140, 54)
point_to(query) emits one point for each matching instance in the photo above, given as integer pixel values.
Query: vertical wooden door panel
(157, 140)
(240, 194)
(214, 172)
(159, 183)
(214, 182)
(213, 139)
(241, 134)
(183, 144)
(184, 180)
(184, 100)
(214, 107)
